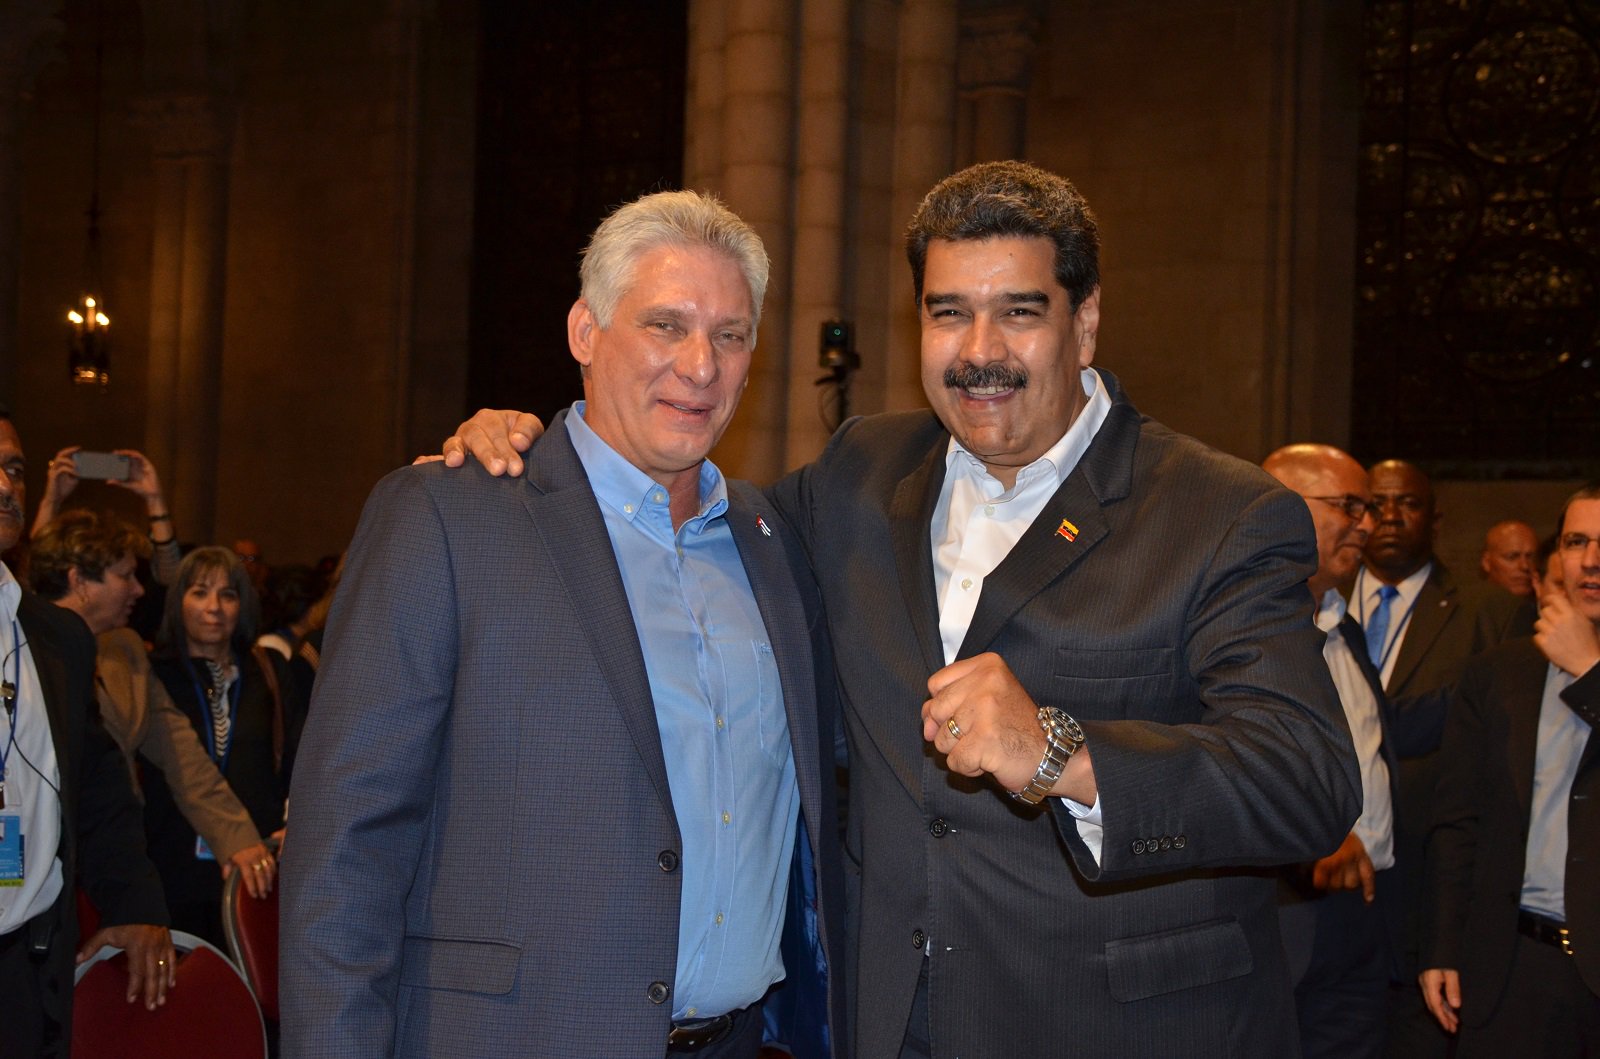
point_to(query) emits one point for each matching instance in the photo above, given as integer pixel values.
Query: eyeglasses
(1577, 542)
(1354, 507)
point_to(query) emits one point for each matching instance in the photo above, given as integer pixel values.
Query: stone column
(29, 33)
(757, 134)
(924, 148)
(819, 214)
(187, 283)
(702, 153)
(995, 65)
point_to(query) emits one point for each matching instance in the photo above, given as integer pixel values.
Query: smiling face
(1002, 350)
(1580, 567)
(665, 378)
(106, 604)
(210, 614)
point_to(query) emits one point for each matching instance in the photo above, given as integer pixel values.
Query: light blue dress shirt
(1562, 737)
(720, 713)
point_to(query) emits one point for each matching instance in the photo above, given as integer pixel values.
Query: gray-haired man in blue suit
(584, 831)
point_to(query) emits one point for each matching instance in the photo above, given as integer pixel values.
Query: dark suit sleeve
(1472, 726)
(1269, 775)
(365, 775)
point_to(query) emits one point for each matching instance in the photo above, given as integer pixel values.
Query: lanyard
(209, 729)
(11, 704)
(1395, 627)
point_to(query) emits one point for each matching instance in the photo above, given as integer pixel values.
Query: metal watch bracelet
(1062, 737)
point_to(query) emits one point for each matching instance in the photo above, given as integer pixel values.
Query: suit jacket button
(918, 939)
(1166, 842)
(658, 992)
(1179, 842)
(668, 861)
(1138, 846)
(938, 828)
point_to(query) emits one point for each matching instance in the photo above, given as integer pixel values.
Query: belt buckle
(699, 1034)
(1564, 939)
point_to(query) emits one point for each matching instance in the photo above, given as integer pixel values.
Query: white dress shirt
(977, 521)
(1375, 826)
(32, 778)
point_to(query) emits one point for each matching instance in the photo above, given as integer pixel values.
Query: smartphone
(102, 465)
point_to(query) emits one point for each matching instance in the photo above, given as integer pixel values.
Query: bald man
(1510, 550)
(1341, 914)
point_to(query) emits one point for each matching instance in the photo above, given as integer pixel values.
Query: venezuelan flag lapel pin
(761, 524)
(1067, 530)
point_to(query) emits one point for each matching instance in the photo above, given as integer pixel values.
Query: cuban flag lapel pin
(761, 524)
(1067, 530)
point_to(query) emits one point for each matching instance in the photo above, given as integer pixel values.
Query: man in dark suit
(1421, 626)
(64, 790)
(1082, 695)
(599, 827)
(1341, 915)
(1512, 953)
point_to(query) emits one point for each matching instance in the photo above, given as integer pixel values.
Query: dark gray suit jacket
(1176, 627)
(479, 860)
(1476, 852)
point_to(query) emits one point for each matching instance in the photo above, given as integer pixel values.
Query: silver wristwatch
(1062, 737)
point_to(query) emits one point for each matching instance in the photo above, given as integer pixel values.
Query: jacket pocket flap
(459, 963)
(1147, 966)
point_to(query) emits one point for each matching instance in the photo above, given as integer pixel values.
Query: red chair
(250, 926)
(210, 1011)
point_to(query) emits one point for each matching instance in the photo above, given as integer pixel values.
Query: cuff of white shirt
(1090, 824)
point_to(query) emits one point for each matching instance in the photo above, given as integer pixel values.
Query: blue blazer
(481, 805)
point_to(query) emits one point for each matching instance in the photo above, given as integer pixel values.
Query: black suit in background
(1450, 623)
(1344, 953)
(1478, 846)
(102, 837)
(1175, 626)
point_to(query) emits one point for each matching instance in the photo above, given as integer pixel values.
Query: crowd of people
(1144, 751)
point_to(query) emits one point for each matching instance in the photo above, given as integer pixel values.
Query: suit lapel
(1070, 524)
(567, 518)
(910, 515)
(1435, 608)
(1524, 691)
(766, 565)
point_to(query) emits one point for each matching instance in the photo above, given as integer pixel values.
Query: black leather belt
(691, 1035)
(1543, 928)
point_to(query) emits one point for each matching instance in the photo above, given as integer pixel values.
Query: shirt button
(627, 509)
(938, 828)
(726, 818)
(988, 509)
(657, 992)
(966, 583)
(680, 553)
(658, 496)
(918, 939)
(720, 724)
(719, 919)
(667, 861)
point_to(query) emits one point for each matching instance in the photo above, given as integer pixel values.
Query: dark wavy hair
(83, 540)
(997, 199)
(172, 641)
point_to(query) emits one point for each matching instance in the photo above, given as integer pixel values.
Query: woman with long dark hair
(237, 698)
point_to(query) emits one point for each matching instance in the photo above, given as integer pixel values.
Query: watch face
(1062, 722)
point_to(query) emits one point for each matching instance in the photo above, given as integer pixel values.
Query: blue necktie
(1378, 625)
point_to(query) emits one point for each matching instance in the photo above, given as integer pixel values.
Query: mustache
(968, 376)
(9, 506)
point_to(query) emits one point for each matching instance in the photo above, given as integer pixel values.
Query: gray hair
(668, 218)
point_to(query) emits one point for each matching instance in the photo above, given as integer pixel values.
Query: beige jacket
(141, 717)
